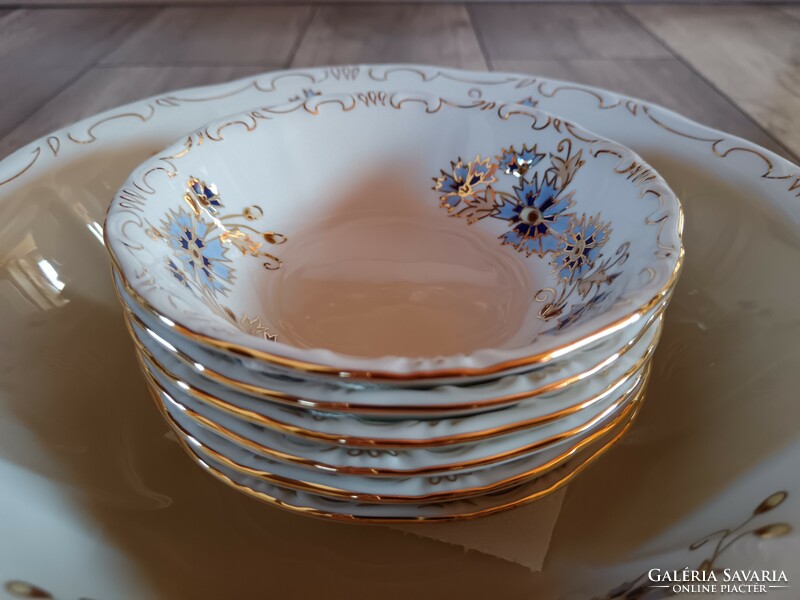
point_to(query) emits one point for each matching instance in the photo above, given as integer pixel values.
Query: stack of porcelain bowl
(341, 312)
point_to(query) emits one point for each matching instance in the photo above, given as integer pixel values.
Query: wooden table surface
(735, 67)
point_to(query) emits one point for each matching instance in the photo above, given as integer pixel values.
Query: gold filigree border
(426, 74)
(652, 184)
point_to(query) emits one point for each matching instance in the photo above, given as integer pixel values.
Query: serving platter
(98, 503)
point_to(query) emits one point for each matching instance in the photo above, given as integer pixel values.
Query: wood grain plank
(550, 31)
(42, 51)
(750, 53)
(792, 11)
(664, 81)
(440, 34)
(216, 36)
(104, 88)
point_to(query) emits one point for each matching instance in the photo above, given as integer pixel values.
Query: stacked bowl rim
(668, 219)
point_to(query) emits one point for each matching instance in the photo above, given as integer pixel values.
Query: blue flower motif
(178, 274)
(465, 181)
(202, 195)
(307, 93)
(537, 216)
(581, 244)
(517, 163)
(201, 257)
(578, 311)
(529, 101)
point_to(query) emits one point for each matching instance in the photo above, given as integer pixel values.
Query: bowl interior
(393, 225)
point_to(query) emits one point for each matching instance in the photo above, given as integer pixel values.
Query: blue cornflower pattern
(536, 215)
(534, 198)
(202, 196)
(199, 239)
(579, 310)
(201, 255)
(177, 273)
(518, 163)
(580, 247)
(465, 181)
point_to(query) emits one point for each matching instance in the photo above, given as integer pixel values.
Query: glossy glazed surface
(381, 400)
(716, 438)
(201, 257)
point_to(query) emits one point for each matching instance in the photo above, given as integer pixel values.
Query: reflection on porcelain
(453, 510)
(422, 489)
(390, 401)
(510, 435)
(557, 213)
(551, 414)
(717, 435)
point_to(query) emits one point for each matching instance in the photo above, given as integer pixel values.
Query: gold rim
(349, 470)
(380, 375)
(628, 414)
(313, 512)
(355, 408)
(145, 357)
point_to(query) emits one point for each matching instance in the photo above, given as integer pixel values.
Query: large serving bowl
(541, 236)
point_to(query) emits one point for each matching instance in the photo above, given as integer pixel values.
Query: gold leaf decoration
(771, 502)
(772, 531)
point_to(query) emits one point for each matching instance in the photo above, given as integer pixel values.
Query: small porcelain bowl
(540, 417)
(391, 401)
(396, 237)
(298, 499)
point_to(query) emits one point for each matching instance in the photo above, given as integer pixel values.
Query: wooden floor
(736, 67)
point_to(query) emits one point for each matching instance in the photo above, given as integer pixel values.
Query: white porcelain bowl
(525, 425)
(398, 402)
(545, 237)
(457, 509)
(390, 490)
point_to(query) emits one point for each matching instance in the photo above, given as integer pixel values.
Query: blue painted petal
(525, 230)
(550, 243)
(175, 230)
(461, 173)
(511, 237)
(480, 169)
(214, 250)
(186, 260)
(220, 270)
(448, 184)
(202, 228)
(531, 157)
(527, 193)
(531, 246)
(451, 200)
(557, 223)
(547, 198)
(553, 208)
(183, 220)
(508, 211)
